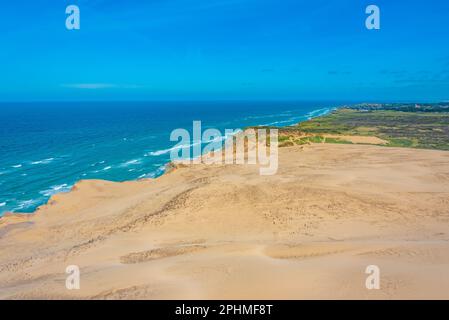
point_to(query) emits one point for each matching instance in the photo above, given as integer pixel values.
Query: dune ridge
(223, 231)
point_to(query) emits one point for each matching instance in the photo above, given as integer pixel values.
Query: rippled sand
(226, 232)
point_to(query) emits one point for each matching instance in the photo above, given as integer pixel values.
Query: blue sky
(224, 49)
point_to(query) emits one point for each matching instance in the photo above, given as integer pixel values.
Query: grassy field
(428, 130)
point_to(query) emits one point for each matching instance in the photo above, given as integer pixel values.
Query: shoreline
(310, 115)
(225, 232)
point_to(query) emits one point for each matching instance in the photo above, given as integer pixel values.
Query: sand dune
(213, 231)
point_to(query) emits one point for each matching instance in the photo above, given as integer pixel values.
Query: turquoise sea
(46, 147)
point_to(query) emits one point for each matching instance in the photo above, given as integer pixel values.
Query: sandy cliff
(212, 231)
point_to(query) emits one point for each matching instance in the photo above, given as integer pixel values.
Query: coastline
(221, 231)
(313, 118)
(67, 187)
(225, 232)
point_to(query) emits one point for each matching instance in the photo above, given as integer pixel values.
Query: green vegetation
(283, 139)
(302, 141)
(335, 140)
(316, 139)
(418, 127)
(405, 107)
(287, 140)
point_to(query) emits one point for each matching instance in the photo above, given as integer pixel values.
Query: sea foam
(56, 189)
(45, 161)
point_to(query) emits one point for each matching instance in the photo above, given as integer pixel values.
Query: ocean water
(47, 147)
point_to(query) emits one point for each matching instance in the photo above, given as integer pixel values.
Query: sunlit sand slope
(211, 231)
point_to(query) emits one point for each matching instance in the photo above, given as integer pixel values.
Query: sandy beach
(226, 232)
